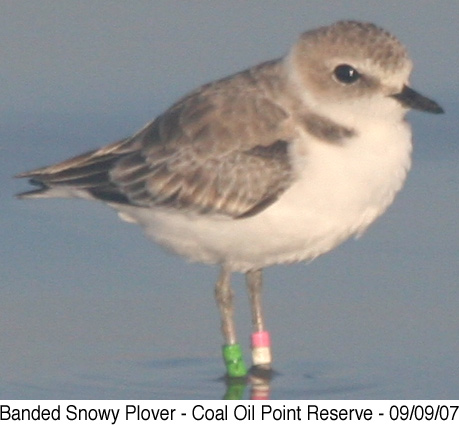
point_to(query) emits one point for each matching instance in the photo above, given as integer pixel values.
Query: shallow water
(188, 378)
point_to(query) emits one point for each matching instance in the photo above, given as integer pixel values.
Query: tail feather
(83, 175)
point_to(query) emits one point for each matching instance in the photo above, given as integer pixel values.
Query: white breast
(341, 189)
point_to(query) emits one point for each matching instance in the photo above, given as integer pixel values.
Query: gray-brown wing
(221, 149)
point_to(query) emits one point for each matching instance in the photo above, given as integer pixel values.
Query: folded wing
(222, 149)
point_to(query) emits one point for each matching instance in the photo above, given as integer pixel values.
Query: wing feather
(221, 149)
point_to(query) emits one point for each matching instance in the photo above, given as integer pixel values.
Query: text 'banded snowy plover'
(275, 164)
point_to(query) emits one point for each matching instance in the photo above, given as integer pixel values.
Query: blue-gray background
(91, 309)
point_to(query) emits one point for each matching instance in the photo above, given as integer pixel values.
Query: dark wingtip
(37, 192)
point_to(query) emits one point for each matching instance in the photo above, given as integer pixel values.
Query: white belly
(339, 192)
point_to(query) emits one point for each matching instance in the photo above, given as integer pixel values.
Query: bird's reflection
(258, 381)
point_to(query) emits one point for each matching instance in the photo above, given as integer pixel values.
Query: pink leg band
(261, 348)
(261, 339)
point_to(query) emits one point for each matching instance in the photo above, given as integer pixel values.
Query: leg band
(235, 366)
(261, 348)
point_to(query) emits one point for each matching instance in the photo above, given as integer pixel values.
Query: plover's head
(354, 63)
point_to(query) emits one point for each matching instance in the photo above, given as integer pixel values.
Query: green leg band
(235, 366)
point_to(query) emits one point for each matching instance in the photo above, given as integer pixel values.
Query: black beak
(412, 99)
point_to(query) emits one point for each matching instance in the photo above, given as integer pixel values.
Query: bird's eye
(346, 74)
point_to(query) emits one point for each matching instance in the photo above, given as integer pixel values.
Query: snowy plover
(275, 164)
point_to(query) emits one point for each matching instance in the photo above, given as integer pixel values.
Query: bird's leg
(261, 344)
(232, 353)
(224, 297)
